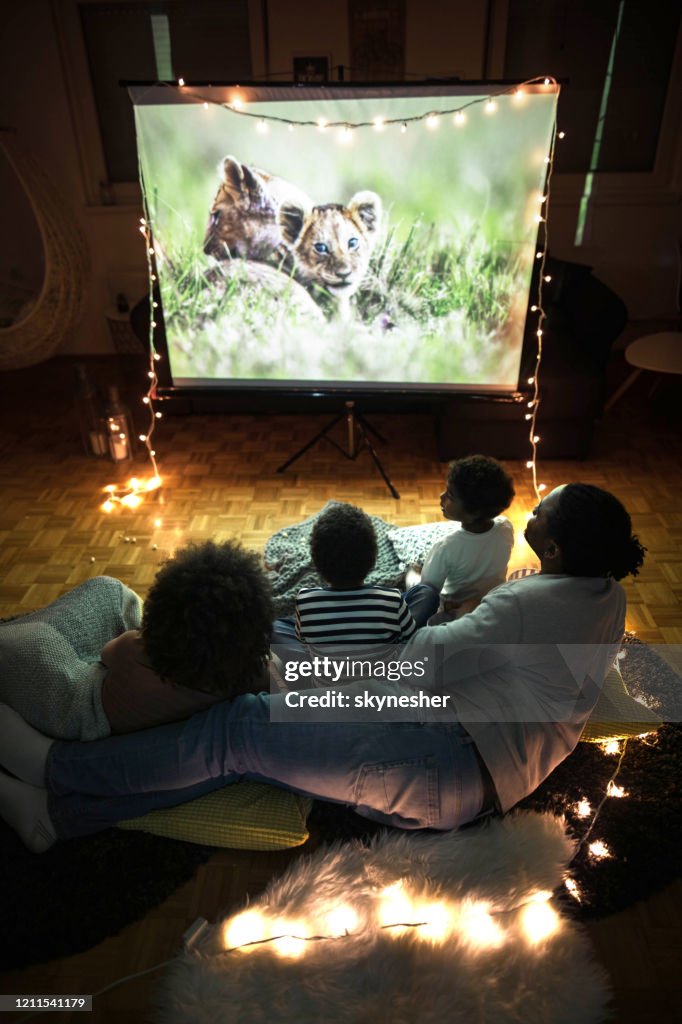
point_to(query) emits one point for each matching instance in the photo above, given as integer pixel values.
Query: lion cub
(242, 222)
(332, 244)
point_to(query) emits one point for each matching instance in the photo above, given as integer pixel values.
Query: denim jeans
(408, 774)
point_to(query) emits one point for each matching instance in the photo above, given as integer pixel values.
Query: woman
(410, 774)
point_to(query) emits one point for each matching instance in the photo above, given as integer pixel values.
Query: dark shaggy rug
(80, 892)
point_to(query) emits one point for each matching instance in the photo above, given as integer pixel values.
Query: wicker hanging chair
(58, 307)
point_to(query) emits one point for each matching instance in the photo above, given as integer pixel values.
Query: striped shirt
(367, 615)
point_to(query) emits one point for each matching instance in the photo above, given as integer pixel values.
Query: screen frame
(153, 93)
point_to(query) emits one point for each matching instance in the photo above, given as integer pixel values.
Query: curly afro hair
(594, 533)
(343, 545)
(207, 619)
(481, 484)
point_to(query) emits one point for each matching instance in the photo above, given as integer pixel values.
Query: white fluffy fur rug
(492, 949)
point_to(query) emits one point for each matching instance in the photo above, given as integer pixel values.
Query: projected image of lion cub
(242, 221)
(332, 244)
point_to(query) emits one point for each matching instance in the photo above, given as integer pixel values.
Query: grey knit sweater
(50, 670)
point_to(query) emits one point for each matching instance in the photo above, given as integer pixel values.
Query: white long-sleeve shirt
(524, 671)
(465, 564)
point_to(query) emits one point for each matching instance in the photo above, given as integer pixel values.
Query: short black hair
(207, 619)
(343, 545)
(481, 484)
(594, 532)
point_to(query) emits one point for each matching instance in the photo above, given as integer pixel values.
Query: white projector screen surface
(389, 257)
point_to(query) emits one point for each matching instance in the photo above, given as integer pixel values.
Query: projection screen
(317, 237)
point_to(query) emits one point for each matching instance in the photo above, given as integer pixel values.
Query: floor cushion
(245, 816)
(616, 714)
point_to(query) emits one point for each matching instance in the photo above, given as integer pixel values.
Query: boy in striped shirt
(343, 548)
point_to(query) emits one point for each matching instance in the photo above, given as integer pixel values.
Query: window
(574, 40)
(209, 42)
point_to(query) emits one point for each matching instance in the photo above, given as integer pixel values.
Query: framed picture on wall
(311, 69)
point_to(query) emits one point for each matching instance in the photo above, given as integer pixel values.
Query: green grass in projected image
(440, 300)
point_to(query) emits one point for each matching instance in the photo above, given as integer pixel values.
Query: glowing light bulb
(158, 415)
(143, 437)
(395, 907)
(262, 127)
(346, 133)
(599, 850)
(432, 121)
(539, 921)
(539, 332)
(541, 198)
(157, 356)
(529, 465)
(322, 124)
(542, 487)
(583, 808)
(536, 439)
(153, 323)
(490, 107)
(573, 889)
(205, 105)
(519, 95)
(437, 920)
(146, 400)
(538, 255)
(131, 500)
(478, 927)
(561, 135)
(546, 160)
(290, 127)
(108, 506)
(613, 790)
(153, 483)
(250, 926)
(547, 278)
(379, 124)
(547, 81)
(181, 82)
(531, 380)
(151, 252)
(539, 219)
(152, 277)
(528, 416)
(291, 944)
(403, 128)
(611, 747)
(533, 309)
(342, 920)
(158, 522)
(460, 118)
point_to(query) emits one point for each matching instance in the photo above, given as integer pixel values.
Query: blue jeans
(408, 774)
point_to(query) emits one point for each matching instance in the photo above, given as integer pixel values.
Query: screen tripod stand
(357, 428)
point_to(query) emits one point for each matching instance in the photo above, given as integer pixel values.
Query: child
(81, 668)
(472, 560)
(343, 548)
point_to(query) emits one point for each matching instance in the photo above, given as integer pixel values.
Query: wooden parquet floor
(220, 481)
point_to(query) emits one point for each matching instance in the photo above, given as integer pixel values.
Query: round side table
(661, 353)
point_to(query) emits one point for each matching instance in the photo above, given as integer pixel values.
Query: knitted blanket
(50, 670)
(289, 551)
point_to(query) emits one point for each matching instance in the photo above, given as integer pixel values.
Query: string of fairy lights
(131, 494)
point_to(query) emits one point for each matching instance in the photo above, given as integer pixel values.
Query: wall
(636, 222)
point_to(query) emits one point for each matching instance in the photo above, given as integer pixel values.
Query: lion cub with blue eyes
(332, 244)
